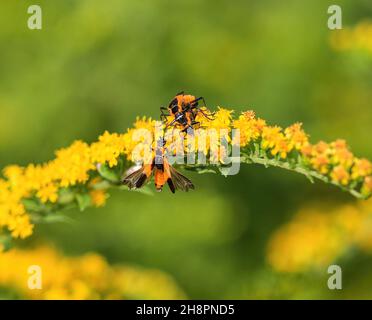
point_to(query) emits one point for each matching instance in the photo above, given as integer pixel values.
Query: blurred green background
(96, 65)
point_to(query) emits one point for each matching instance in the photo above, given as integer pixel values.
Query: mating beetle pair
(183, 110)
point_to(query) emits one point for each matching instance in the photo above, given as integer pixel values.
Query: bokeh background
(96, 65)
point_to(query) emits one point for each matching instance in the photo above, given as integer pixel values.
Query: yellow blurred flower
(358, 37)
(98, 197)
(79, 278)
(316, 237)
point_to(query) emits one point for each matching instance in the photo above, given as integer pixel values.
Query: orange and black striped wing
(138, 178)
(179, 181)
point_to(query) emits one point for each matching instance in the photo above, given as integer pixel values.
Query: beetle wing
(138, 178)
(180, 181)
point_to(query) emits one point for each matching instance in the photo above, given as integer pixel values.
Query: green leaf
(310, 178)
(353, 184)
(6, 241)
(108, 173)
(33, 205)
(65, 196)
(57, 217)
(102, 185)
(257, 149)
(206, 170)
(200, 169)
(51, 218)
(120, 167)
(225, 171)
(144, 190)
(83, 200)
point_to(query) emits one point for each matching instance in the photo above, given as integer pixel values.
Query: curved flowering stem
(80, 175)
(310, 174)
(291, 166)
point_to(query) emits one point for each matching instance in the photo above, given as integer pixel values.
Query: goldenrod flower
(307, 150)
(340, 153)
(141, 138)
(72, 164)
(340, 175)
(320, 157)
(367, 186)
(38, 176)
(222, 119)
(270, 136)
(13, 173)
(98, 197)
(274, 139)
(107, 149)
(48, 192)
(282, 147)
(20, 226)
(250, 128)
(361, 168)
(296, 136)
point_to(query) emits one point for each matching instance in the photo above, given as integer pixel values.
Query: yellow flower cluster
(250, 127)
(315, 237)
(332, 160)
(207, 136)
(272, 138)
(358, 37)
(85, 277)
(71, 166)
(336, 160)
(139, 139)
(77, 165)
(12, 212)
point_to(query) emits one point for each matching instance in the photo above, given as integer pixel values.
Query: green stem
(310, 174)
